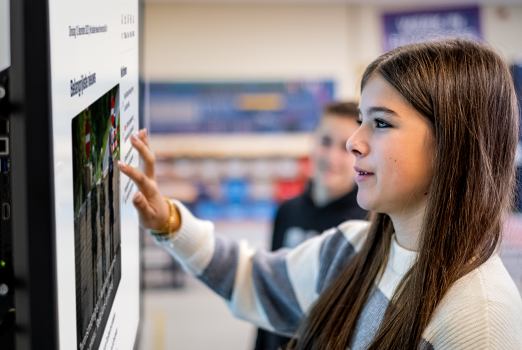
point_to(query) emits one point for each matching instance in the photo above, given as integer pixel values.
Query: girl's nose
(356, 144)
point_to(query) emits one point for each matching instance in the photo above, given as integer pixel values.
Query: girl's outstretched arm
(270, 289)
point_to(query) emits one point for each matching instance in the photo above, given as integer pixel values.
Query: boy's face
(332, 162)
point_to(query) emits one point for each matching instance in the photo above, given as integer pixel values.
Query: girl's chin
(365, 202)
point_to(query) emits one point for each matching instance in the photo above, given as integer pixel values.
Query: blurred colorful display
(244, 107)
(233, 189)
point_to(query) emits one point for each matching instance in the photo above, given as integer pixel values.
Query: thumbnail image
(96, 181)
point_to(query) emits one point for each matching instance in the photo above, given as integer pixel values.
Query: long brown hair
(465, 90)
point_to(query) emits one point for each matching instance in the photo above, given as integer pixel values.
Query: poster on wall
(401, 28)
(97, 229)
(246, 107)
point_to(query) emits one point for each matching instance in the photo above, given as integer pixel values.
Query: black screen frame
(32, 173)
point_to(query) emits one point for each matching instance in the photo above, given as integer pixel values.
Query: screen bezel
(33, 214)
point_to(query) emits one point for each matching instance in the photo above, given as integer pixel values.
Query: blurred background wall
(214, 41)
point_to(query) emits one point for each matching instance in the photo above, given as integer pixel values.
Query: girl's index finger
(143, 137)
(146, 154)
(135, 175)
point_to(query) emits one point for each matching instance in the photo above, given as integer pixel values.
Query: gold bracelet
(165, 228)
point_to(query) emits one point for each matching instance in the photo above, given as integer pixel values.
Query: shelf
(232, 145)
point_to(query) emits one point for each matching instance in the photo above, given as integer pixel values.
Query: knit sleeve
(270, 289)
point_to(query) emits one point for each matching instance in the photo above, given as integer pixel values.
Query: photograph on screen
(96, 151)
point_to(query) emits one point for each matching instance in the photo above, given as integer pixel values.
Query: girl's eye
(359, 121)
(380, 124)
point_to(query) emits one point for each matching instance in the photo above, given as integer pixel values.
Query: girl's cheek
(399, 172)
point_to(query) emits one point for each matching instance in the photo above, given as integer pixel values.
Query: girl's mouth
(362, 174)
(362, 171)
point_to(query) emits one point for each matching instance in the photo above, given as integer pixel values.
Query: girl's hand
(152, 208)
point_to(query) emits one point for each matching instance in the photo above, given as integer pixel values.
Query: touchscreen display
(94, 73)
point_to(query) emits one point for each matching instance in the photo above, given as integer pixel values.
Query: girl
(435, 155)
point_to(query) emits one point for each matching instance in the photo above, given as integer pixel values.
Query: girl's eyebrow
(378, 109)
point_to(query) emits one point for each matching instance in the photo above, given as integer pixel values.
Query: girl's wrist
(171, 224)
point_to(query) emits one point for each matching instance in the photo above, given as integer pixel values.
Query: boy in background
(330, 197)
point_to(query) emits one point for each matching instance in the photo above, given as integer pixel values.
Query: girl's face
(394, 149)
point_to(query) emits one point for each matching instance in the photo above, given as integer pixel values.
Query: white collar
(401, 259)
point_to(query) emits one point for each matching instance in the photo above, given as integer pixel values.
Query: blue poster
(418, 26)
(249, 107)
